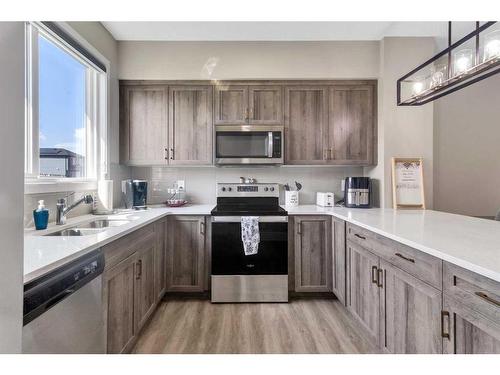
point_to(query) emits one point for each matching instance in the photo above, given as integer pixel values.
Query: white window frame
(96, 108)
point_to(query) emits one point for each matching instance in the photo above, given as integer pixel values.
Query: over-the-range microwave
(248, 144)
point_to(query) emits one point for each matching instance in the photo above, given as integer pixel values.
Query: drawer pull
(139, 270)
(445, 334)
(380, 274)
(374, 275)
(405, 258)
(360, 236)
(488, 298)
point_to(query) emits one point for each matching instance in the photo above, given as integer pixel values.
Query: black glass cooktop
(261, 206)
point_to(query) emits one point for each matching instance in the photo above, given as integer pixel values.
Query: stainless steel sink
(103, 223)
(74, 232)
(85, 229)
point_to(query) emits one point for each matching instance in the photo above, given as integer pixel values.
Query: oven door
(248, 144)
(228, 256)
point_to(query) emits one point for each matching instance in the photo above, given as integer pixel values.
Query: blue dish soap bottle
(41, 216)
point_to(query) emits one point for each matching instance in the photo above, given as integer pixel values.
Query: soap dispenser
(41, 216)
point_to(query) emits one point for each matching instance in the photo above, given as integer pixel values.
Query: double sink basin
(93, 227)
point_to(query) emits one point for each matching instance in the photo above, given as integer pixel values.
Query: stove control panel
(247, 190)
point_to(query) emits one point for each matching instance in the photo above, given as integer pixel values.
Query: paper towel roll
(103, 203)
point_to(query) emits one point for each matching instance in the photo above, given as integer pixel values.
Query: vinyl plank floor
(303, 326)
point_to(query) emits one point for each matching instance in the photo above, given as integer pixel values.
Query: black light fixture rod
(448, 68)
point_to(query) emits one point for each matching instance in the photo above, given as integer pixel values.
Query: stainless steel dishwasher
(63, 310)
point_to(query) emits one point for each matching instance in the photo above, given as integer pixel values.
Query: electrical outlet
(342, 184)
(181, 185)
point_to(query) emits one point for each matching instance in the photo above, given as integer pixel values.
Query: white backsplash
(201, 181)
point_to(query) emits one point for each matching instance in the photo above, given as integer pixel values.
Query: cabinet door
(144, 125)
(185, 254)
(266, 106)
(351, 123)
(231, 105)
(118, 296)
(312, 253)
(466, 331)
(144, 293)
(160, 282)
(306, 114)
(190, 125)
(412, 313)
(362, 297)
(338, 258)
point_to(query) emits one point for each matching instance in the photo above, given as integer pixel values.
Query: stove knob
(223, 189)
(266, 188)
(229, 189)
(272, 189)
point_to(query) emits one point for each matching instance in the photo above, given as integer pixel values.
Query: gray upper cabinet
(411, 312)
(253, 104)
(231, 105)
(363, 289)
(312, 253)
(338, 258)
(306, 117)
(265, 105)
(190, 125)
(351, 124)
(143, 118)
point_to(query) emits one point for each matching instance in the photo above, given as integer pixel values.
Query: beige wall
(247, 60)
(467, 144)
(402, 131)
(11, 190)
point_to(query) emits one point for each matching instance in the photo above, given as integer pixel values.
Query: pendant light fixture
(471, 59)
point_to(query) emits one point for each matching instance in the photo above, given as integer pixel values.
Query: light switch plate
(181, 185)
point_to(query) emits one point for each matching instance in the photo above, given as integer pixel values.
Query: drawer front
(423, 266)
(120, 249)
(472, 290)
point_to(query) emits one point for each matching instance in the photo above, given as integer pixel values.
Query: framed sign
(408, 183)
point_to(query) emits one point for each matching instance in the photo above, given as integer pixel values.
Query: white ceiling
(270, 31)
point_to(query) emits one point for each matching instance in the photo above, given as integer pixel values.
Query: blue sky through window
(61, 99)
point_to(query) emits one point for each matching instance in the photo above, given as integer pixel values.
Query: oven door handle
(262, 219)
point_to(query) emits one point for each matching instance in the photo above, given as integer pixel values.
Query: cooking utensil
(287, 187)
(298, 185)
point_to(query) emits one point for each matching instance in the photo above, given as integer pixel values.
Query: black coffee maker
(357, 192)
(135, 193)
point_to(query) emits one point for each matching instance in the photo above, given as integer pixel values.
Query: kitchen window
(66, 117)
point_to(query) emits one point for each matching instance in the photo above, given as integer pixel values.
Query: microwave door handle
(270, 145)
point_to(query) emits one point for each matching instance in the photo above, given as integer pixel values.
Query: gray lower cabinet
(312, 253)
(363, 291)
(186, 254)
(467, 331)
(338, 258)
(410, 312)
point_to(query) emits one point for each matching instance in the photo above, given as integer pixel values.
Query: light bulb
(418, 87)
(492, 47)
(463, 61)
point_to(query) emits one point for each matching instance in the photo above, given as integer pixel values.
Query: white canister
(291, 198)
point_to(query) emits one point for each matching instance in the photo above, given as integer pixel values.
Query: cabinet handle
(330, 152)
(374, 275)
(139, 269)
(251, 114)
(325, 154)
(405, 258)
(172, 155)
(202, 228)
(166, 153)
(247, 116)
(360, 236)
(380, 275)
(487, 298)
(445, 334)
(299, 231)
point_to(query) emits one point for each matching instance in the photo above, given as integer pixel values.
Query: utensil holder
(292, 198)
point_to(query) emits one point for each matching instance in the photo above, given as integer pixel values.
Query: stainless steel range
(261, 277)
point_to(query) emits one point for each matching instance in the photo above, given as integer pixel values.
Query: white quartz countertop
(468, 242)
(45, 253)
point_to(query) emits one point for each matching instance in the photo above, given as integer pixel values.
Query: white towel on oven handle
(250, 235)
